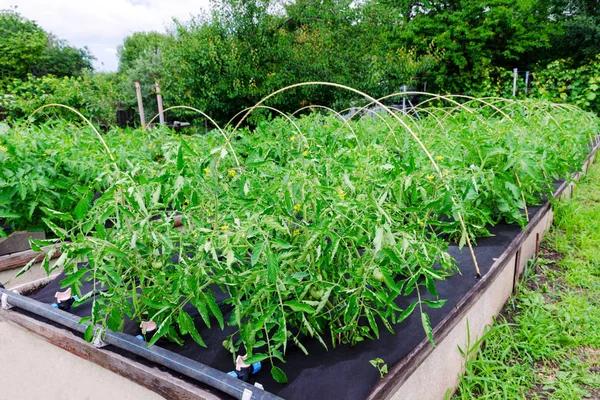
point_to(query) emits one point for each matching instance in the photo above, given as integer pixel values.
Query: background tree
(578, 30)
(22, 43)
(25, 48)
(60, 59)
(138, 45)
(226, 61)
(140, 60)
(475, 38)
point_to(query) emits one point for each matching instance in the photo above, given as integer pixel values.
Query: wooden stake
(138, 91)
(161, 115)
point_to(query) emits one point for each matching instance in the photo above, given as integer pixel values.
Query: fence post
(404, 100)
(425, 86)
(526, 81)
(161, 115)
(516, 75)
(138, 91)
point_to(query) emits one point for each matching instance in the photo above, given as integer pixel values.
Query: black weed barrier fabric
(343, 372)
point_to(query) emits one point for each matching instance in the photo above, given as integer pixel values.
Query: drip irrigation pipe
(192, 369)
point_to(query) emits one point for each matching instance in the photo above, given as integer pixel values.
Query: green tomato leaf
(214, 309)
(406, 312)
(77, 276)
(299, 307)
(83, 206)
(435, 304)
(257, 250)
(278, 375)
(200, 305)
(427, 327)
(89, 333)
(163, 329)
(272, 267)
(186, 323)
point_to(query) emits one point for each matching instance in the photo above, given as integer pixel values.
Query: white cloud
(103, 24)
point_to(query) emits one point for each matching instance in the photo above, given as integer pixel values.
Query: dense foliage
(25, 48)
(312, 226)
(229, 58)
(562, 81)
(95, 94)
(22, 42)
(243, 52)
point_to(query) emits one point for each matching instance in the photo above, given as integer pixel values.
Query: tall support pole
(404, 100)
(516, 75)
(161, 113)
(138, 91)
(526, 81)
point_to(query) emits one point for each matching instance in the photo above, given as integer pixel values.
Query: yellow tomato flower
(293, 138)
(224, 227)
(341, 194)
(305, 153)
(44, 155)
(296, 232)
(440, 158)
(421, 223)
(207, 171)
(231, 173)
(430, 177)
(297, 207)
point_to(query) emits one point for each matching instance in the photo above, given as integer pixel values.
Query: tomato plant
(313, 226)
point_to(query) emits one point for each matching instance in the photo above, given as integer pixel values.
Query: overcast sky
(103, 24)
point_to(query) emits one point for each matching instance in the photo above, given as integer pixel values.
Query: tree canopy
(227, 59)
(25, 48)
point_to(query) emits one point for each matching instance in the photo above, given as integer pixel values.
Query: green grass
(546, 343)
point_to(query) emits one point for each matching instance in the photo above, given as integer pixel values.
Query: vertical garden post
(138, 91)
(161, 114)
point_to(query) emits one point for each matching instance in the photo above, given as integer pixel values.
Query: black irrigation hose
(200, 372)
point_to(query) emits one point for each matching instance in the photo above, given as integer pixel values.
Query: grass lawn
(546, 343)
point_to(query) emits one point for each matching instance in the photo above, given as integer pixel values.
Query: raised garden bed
(418, 370)
(314, 246)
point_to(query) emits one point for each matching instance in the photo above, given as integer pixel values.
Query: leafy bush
(562, 83)
(96, 94)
